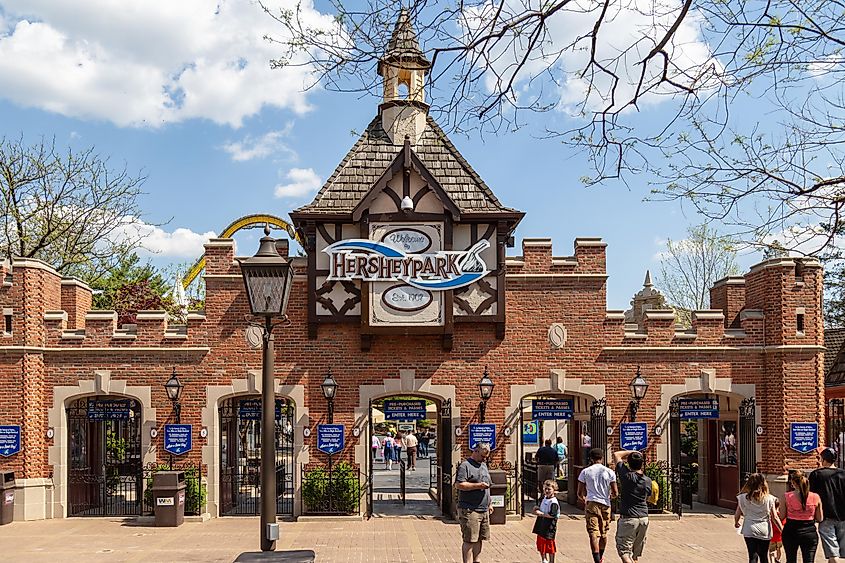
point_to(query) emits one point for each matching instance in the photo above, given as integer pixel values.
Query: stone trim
(708, 315)
(614, 315)
(33, 263)
(406, 384)
(751, 314)
(39, 349)
(541, 242)
(529, 277)
(51, 315)
(730, 280)
(57, 454)
(221, 242)
(564, 261)
(77, 283)
(658, 315)
(251, 386)
(783, 347)
(589, 241)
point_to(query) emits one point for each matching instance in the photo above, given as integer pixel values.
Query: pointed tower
(403, 109)
(647, 299)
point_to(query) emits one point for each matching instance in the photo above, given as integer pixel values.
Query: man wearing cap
(634, 490)
(828, 482)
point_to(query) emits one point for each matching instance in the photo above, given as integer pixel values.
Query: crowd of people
(416, 444)
(811, 510)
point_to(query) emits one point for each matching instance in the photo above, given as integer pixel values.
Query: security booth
(169, 498)
(7, 494)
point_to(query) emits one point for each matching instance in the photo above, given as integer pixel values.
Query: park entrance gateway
(405, 292)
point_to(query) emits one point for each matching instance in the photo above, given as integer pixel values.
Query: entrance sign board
(373, 261)
(696, 409)
(633, 436)
(10, 440)
(551, 409)
(178, 438)
(250, 409)
(108, 409)
(331, 438)
(404, 410)
(531, 432)
(803, 436)
(479, 433)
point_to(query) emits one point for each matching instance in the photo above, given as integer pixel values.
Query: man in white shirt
(596, 486)
(410, 442)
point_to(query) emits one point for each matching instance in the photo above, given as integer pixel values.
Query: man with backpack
(635, 489)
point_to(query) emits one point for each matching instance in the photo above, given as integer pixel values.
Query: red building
(423, 311)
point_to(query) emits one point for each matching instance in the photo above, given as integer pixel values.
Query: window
(7, 321)
(800, 323)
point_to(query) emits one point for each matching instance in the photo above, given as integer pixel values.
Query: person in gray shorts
(828, 482)
(634, 490)
(473, 484)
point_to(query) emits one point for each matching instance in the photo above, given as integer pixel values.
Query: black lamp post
(329, 387)
(485, 389)
(639, 387)
(174, 393)
(268, 278)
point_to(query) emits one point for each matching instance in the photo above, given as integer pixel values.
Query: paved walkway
(705, 539)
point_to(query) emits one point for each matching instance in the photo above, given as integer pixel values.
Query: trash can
(169, 498)
(498, 492)
(7, 497)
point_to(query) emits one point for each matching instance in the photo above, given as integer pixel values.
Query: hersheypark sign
(368, 260)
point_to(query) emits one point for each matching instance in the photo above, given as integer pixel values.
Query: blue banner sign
(803, 436)
(697, 409)
(551, 409)
(404, 410)
(633, 436)
(479, 433)
(331, 438)
(177, 438)
(250, 409)
(531, 432)
(10, 440)
(108, 409)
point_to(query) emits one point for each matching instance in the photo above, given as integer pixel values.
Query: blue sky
(230, 136)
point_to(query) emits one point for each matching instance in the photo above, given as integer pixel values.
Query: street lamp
(329, 387)
(174, 393)
(485, 389)
(268, 278)
(638, 387)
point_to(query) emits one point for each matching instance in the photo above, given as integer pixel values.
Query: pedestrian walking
(586, 446)
(776, 545)
(547, 512)
(547, 460)
(828, 482)
(424, 439)
(634, 492)
(410, 442)
(397, 448)
(560, 448)
(802, 509)
(388, 451)
(758, 511)
(596, 486)
(474, 508)
(375, 446)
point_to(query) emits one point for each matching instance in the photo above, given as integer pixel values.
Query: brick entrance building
(422, 312)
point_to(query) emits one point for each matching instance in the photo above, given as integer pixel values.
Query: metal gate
(444, 457)
(240, 456)
(836, 429)
(747, 439)
(105, 475)
(369, 496)
(598, 424)
(676, 471)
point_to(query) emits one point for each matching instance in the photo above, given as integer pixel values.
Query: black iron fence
(836, 429)
(196, 492)
(331, 490)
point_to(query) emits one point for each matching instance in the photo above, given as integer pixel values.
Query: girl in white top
(757, 509)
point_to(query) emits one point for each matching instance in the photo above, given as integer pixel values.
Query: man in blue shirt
(474, 509)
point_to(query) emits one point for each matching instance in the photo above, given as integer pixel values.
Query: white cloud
(302, 182)
(268, 144)
(178, 243)
(148, 63)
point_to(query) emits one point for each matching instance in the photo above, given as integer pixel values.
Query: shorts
(475, 526)
(546, 545)
(598, 519)
(832, 535)
(630, 536)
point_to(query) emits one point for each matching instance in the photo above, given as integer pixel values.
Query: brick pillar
(728, 295)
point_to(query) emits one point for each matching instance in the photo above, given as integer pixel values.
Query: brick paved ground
(692, 540)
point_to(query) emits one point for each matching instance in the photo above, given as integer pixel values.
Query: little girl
(546, 524)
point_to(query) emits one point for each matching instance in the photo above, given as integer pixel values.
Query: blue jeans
(832, 534)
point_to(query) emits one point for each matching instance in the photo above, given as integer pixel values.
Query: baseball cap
(828, 454)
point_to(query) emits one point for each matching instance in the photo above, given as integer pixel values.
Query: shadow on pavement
(292, 556)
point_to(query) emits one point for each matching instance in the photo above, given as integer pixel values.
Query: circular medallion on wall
(254, 337)
(153, 432)
(204, 433)
(306, 432)
(759, 430)
(557, 336)
(508, 430)
(50, 433)
(356, 431)
(459, 431)
(658, 430)
(609, 430)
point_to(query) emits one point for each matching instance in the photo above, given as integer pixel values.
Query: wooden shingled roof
(834, 357)
(365, 163)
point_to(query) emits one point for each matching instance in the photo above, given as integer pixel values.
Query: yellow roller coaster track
(247, 222)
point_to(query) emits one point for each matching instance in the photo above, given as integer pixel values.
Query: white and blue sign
(803, 436)
(250, 409)
(331, 438)
(531, 432)
(698, 409)
(108, 409)
(551, 409)
(10, 440)
(480, 433)
(633, 436)
(404, 410)
(177, 438)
